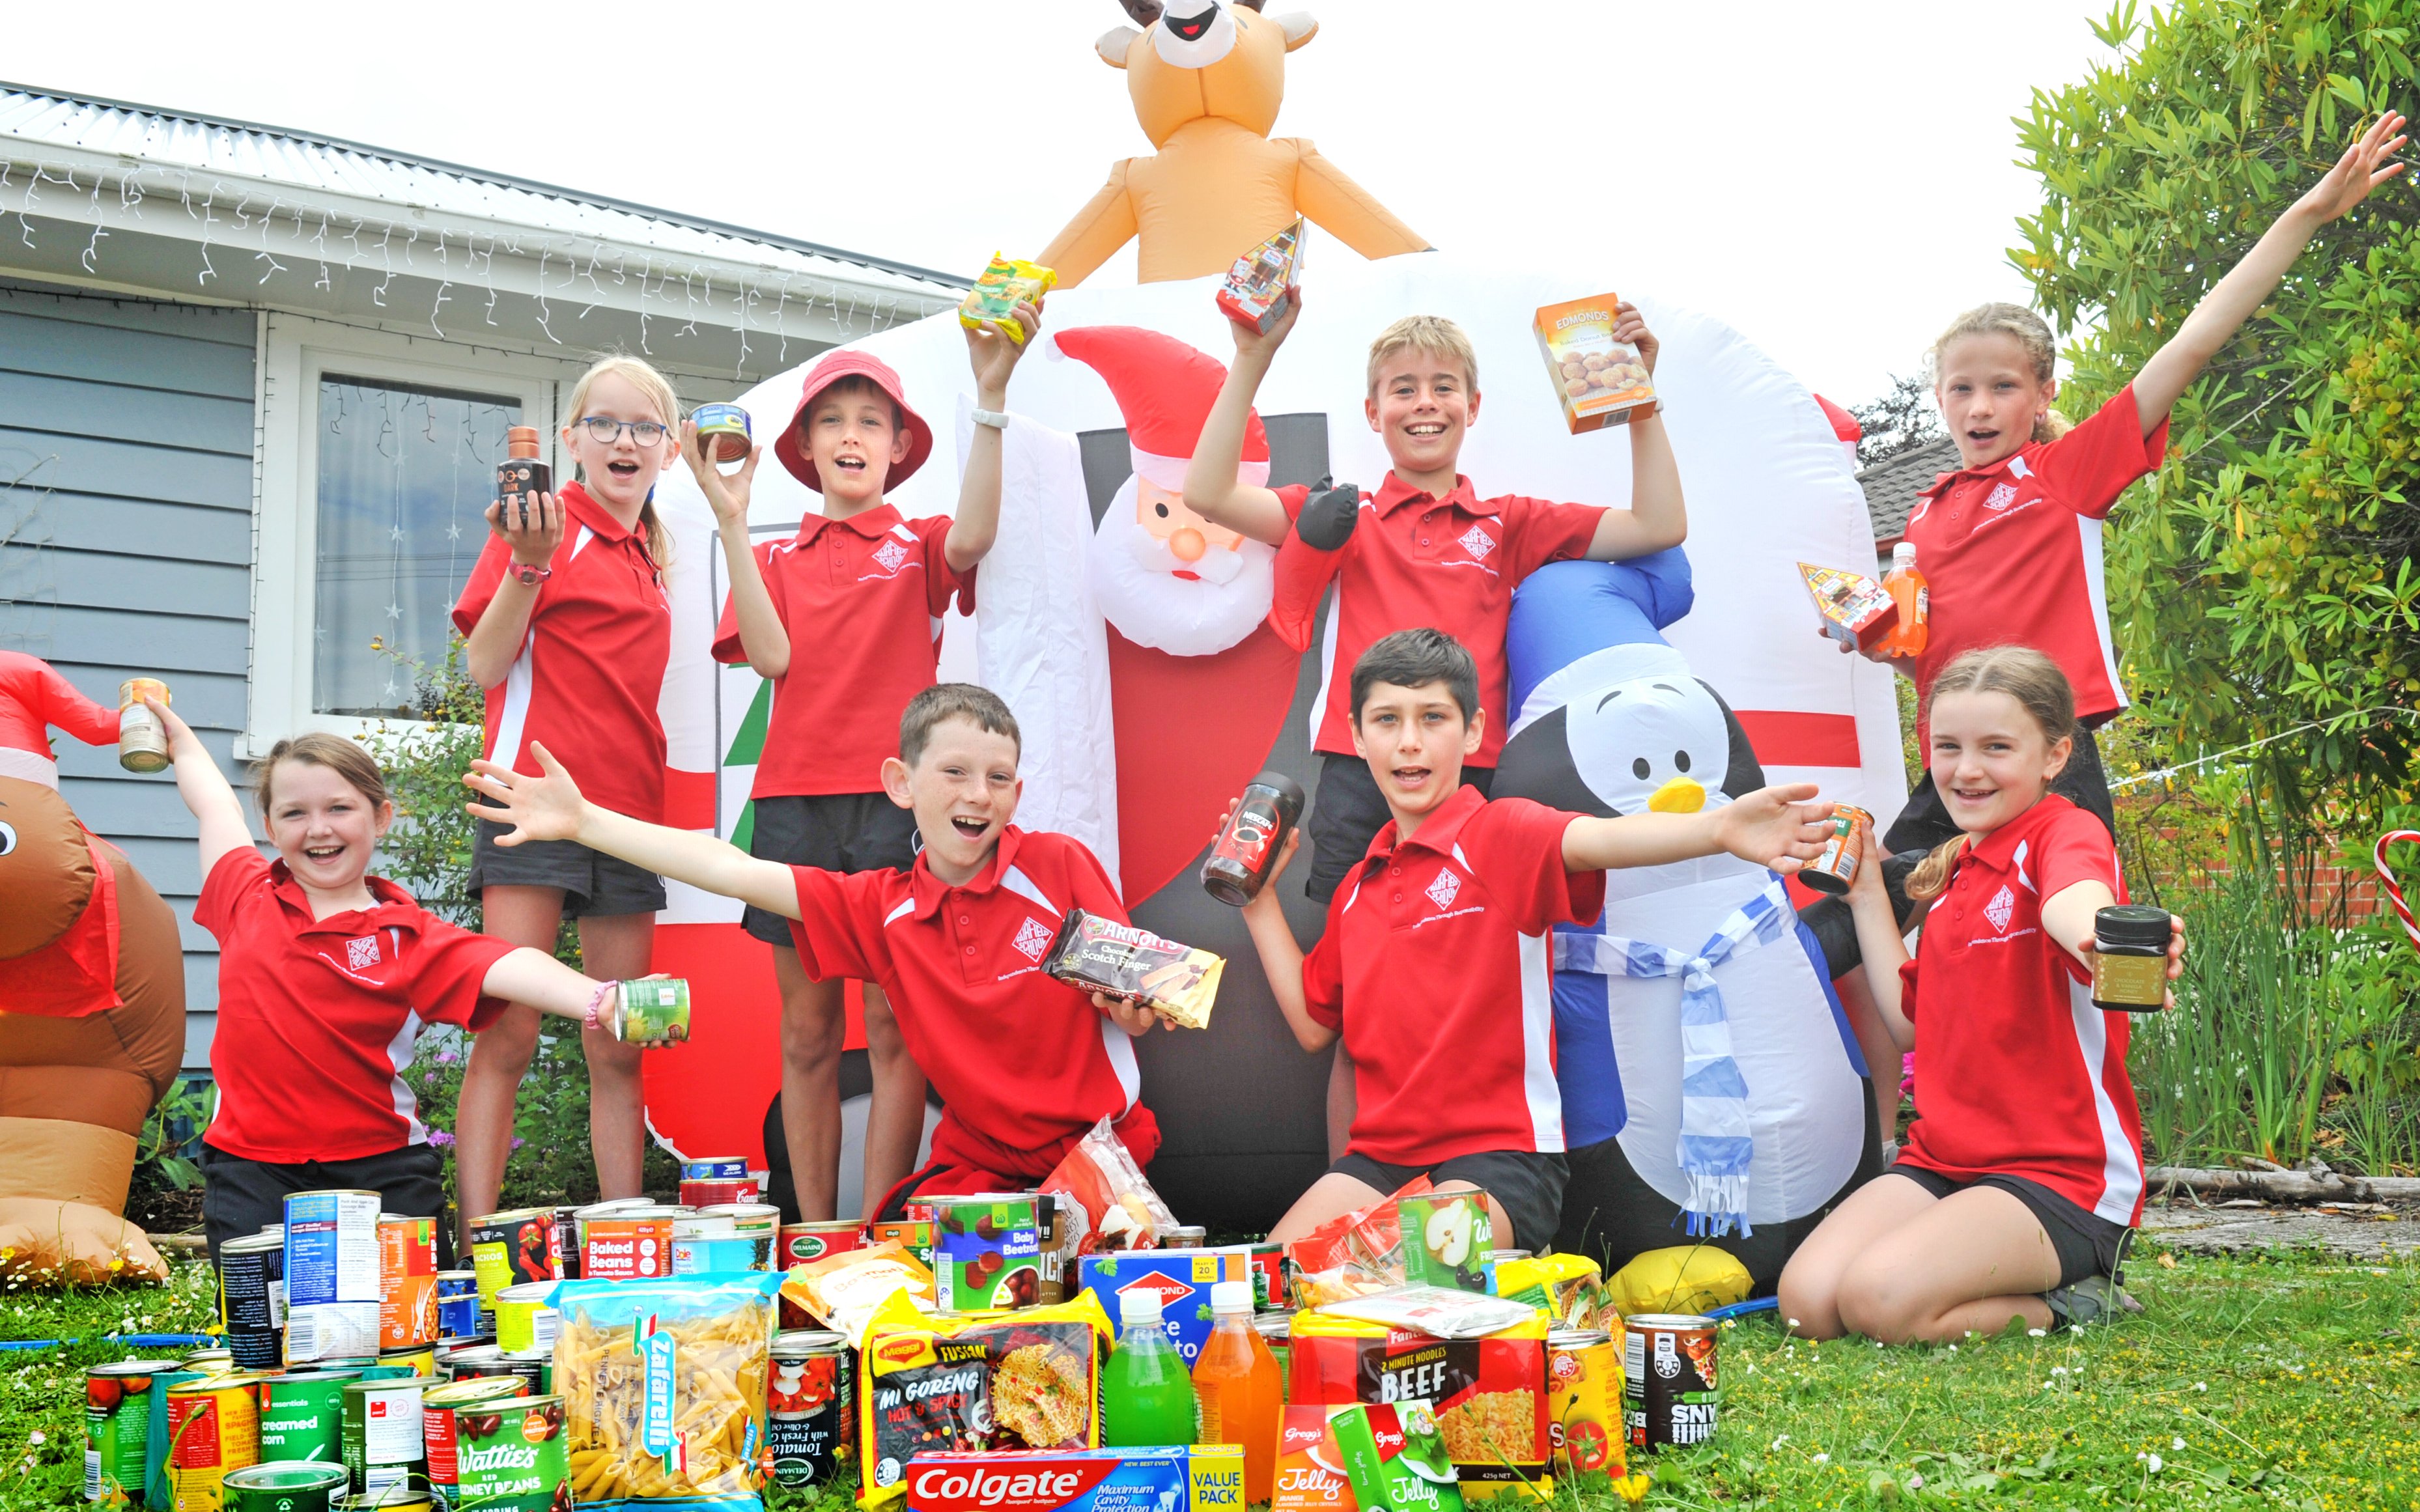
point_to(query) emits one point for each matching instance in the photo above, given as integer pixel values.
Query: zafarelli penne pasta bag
(663, 1387)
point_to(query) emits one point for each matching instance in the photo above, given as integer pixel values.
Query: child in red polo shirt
(326, 974)
(2023, 1170)
(569, 630)
(862, 590)
(1433, 968)
(2010, 542)
(1025, 1064)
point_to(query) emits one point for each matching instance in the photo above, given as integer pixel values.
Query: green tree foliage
(2265, 577)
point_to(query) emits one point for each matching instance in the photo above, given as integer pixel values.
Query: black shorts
(1526, 1183)
(2086, 1243)
(240, 1197)
(831, 831)
(1346, 815)
(594, 884)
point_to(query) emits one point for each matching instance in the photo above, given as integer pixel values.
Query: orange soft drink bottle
(1242, 1396)
(1914, 596)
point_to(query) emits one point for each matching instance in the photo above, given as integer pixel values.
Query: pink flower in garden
(439, 1136)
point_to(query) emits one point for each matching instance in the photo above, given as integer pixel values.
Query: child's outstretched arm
(551, 808)
(1656, 517)
(976, 525)
(763, 637)
(1777, 826)
(1280, 957)
(205, 790)
(2067, 917)
(2364, 166)
(1212, 490)
(1881, 944)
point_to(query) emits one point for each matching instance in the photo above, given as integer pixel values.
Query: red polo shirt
(1434, 967)
(316, 1017)
(1452, 563)
(2012, 551)
(2016, 1072)
(591, 666)
(863, 600)
(1025, 1064)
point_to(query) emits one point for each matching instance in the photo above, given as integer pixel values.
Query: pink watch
(531, 576)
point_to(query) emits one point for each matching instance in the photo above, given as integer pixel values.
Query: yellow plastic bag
(1685, 1278)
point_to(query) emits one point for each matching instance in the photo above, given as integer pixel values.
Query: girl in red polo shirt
(326, 974)
(2010, 542)
(2024, 1169)
(568, 631)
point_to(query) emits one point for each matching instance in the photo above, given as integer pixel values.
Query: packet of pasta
(1489, 1394)
(663, 1387)
(843, 1289)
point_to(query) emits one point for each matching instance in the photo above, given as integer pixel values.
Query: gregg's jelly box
(1182, 1278)
(1310, 1468)
(1395, 1458)
(1206, 1477)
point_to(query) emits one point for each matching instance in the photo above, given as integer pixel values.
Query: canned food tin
(804, 1244)
(748, 1217)
(524, 1323)
(1669, 1393)
(213, 1426)
(458, 1303)
(810, 1401)
(1836, 866)
(156, 1491)
(142, 740)
(285, 1488)
(629, 1243)
(394, 1499)
(509, 1248)
(1183, 1236)
(331, 1275)
(714, 1167)
(303, 1415)
(535, 1371)
(914, 1235)
(382, 1444)
(566, 1243)
(1268, 1264)
(117, 1428)
(989, 1252)
(251, 1299)
(498, 1452)
(451, 1352)
(1277, 1331)
(420, 1359)
(705, 1243)
(407, 1281)
(210, 1362)
(1583, 1395)
(651, 1011)
(722, 431)
(718, 1191)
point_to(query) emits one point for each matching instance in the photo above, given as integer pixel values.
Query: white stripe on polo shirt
(398, 1055)
(2089, 534)
(2122, 1168)
(1318, 719)
(1538, 1087)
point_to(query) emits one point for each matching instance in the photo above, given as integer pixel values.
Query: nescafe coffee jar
(1247, 850)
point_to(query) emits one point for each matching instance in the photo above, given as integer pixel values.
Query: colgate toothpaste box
(1207, 1477)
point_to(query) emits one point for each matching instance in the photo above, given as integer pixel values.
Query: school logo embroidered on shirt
(362, 954)
(1032, 937)
(2000, 497)
(1443, 891)
(2001, 908)
(1478, 543)
(888, 555)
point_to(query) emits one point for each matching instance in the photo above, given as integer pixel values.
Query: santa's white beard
(1151, 608)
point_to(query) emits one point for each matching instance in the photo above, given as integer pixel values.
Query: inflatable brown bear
(92, 1004)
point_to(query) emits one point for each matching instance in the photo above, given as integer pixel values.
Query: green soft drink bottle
(1146, 1392)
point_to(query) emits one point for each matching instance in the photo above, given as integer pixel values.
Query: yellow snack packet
(998, 291)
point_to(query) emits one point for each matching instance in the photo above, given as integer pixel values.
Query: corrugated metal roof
(303, 165)
(1892, 483)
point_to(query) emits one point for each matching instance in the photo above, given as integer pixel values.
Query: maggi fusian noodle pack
(1101, 955)
(1488, 1392)
(932, 1384)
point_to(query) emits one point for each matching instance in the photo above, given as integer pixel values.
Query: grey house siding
(126, 445)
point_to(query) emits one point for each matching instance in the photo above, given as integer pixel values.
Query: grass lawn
(2291, 1382)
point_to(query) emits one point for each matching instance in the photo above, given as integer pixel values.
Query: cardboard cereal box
(1856, 610)
(1601, 381)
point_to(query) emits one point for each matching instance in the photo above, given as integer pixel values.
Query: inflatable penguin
(1712, 1087)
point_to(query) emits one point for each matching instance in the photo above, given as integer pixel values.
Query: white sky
(1834, 181)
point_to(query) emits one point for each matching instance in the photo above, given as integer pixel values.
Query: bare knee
(814, 1026)
(1811, 1306)
(611, 1061)
(503, 1048)
(1880, 1301)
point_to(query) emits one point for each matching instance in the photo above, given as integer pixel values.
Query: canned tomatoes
(213, 1426)
(251, 1299)
(1669, 1393)
(117, 1428)
(1833, 870)
(1584, 1401)
(812, 1402)
(407, 1281)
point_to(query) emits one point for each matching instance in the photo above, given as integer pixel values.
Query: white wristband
(996, 419)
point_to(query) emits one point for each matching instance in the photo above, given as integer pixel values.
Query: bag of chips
(1105, 1203)
(1354, 1255)
(1027, 1380)
(1568, 1288)
(843, 1289)
(663, 1387)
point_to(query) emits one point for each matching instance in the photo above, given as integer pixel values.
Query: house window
(406, 472)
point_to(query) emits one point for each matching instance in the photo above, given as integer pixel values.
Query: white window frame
(296, 352)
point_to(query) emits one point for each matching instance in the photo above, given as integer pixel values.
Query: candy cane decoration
(2386, 880)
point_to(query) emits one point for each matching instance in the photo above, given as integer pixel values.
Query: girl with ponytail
(2022, 1173)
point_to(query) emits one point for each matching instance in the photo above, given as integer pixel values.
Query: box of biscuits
(1601, 381)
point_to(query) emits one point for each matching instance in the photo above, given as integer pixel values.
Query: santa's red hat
(33, 696)
(1164, 389)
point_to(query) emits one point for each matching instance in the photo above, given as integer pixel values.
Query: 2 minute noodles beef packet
(1489, 1394)
(1100, 955)
(663, 1387)
(1028, 1380)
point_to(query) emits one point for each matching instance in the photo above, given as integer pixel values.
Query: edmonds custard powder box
(1600, 381)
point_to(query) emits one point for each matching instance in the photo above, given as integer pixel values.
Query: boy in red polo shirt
(864, 591)
(1433, 968)
(1025, 1064)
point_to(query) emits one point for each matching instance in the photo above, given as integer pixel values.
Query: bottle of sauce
(521, 477)
(1914, 596)
(142, 740)
(1237, 1384)
(1146, 1393)
(1247, 849)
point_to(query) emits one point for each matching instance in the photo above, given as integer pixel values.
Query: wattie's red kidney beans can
(1245, 851)
(1833, 870)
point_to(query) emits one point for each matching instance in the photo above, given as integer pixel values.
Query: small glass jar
(2130, 958)
(142, 740)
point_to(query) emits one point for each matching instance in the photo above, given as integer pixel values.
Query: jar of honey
(2130, 958)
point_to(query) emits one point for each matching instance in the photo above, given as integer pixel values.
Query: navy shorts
(594, 884)
(240, 1195)
(1526, 1183)
(831, 832)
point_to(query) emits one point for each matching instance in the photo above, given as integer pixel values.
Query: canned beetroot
(1833, 870)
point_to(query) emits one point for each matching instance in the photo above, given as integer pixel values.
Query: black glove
(1327, 520)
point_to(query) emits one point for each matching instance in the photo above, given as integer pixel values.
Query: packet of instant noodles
(1101, 955)
(1489, 1394)
(997, 291)
(663, 1386)
(1105, 1202)
(843, 1289)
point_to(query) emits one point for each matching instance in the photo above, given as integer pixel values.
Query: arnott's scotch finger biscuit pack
(1101, 955)
(1601, 381)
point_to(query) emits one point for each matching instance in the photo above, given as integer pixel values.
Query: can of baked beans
(407, 1281)
(1836, 866)
(1670, 1390)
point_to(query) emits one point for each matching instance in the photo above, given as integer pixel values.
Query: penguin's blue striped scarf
(1715, 1144)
